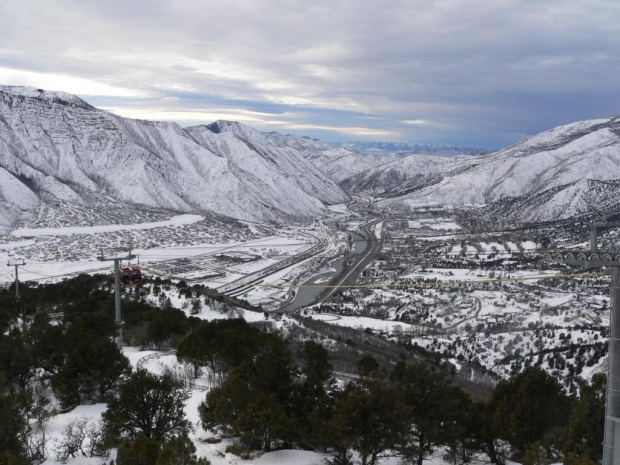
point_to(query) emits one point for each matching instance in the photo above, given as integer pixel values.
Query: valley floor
(480, 300)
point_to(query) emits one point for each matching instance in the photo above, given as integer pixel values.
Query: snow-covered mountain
(565, 172)
(337, 163)
(58, 153)
(399, 177)
(54, 147)
(342, 163)
(301, 143)
(284, 169)
(404, 149)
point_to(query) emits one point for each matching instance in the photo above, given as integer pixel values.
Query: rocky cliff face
(54, 147)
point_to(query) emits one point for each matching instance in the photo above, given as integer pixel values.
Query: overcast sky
(483, 73)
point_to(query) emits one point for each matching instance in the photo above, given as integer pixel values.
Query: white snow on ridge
(14, 192)
(55, 146)
(567, 171)
(26, 91)
(174, 221)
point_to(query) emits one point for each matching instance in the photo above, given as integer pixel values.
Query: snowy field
(457, 274)
(67, 231)
(213, 262)
(361, 322)
(340, 208)
(438, 224)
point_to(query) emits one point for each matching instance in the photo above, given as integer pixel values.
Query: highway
(353, 271)
(246, 283)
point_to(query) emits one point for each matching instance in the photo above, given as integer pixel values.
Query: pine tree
(585, 430)
(527, 406)
(179, 450)
(368, 365)
(12, 430)
(431, 405)
(255, 401)
(140, 450)
(317, 368)
(367, 418)
(16, 362)
(147, 404)
(91, 369)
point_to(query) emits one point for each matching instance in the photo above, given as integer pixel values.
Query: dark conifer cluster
(272, 393)
(273, 398)
(58, 341)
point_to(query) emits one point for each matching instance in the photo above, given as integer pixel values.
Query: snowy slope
(557, 174)
(398, 177)
(403, 149)
(257, 155)
(302, 144)
(337, 163)
(340, 164)
(585, 197)
(55, 147)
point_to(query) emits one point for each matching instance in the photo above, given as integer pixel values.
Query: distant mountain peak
(46, 95)
(55, 148)
(565, 172)
(216, 126)
(405, 148)
(239, 129)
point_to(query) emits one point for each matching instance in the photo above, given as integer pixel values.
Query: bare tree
(81, 437)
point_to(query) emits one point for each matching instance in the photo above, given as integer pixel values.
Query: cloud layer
(482, 73)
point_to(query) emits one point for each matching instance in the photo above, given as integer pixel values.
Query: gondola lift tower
(117, 259)
(596, 259)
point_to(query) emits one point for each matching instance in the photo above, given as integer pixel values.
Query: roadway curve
(476, 309)
(350, 274)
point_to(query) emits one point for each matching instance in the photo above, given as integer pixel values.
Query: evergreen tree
(430, 408)
(397, 375)
(586, 427)
(179, 450)
(458, 426)
(527, 406)
(224, 404)
(92, 368)
(140, 450)
(311, 404)
(12, 430)
(263, 421)
(482, 432)
(368, 365)
(16, 363)
(255, 401)
(367, 418)
(313, 408)
(48, 347)
(196, 350)
(147, 404)
(167, 328)
(317, 368)
(220, 345)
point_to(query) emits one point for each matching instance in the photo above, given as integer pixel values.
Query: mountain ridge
(55, 147)
(561, 156)
(403, 149)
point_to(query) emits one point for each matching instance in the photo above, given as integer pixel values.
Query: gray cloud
(475, 72)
